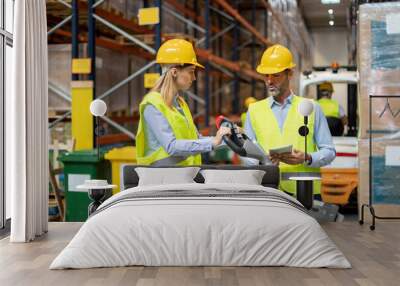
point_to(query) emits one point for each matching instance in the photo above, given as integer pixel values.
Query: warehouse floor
(375, 257)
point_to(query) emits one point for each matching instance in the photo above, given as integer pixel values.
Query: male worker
(274, 122)
(333, 111)
(249, 100)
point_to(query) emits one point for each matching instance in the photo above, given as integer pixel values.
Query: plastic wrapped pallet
(385, 175)
(379, 66)
(59, 75)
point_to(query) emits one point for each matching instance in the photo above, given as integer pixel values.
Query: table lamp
(304, 185)
(98, 108)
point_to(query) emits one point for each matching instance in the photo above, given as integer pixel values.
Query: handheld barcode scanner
(240, 143)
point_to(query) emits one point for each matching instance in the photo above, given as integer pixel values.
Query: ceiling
(316, 14)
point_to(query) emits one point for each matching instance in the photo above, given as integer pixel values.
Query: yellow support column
(82, 119)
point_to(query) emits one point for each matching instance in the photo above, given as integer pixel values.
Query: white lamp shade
(98, 107)
(305, 107)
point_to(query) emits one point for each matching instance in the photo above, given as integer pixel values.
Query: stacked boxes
(386, 178)
(379, 67)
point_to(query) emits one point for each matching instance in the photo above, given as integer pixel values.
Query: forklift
(340, 178)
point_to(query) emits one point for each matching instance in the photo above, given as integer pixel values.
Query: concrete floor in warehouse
(374, 255)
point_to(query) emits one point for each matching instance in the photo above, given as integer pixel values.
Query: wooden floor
(374, 255)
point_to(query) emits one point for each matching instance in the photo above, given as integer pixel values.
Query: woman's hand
(220, 133)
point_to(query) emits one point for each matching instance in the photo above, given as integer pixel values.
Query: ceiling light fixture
(331, 23)
(330, 11)
(327, 2)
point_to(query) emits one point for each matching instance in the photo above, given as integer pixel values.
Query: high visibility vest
(269, 136)
(243, 118)
(182, 126)
(329, 107)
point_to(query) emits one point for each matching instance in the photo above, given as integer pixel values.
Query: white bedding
(183, 231)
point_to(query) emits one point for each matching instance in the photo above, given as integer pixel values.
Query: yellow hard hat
(249, 100)
(276, 58)
(177, 51)
(326, 86)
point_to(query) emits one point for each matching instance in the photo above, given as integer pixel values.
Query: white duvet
(188, 231)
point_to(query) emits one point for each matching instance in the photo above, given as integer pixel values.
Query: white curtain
(26, 123)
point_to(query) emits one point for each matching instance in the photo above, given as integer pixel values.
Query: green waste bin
(80, 166)
(222, 154)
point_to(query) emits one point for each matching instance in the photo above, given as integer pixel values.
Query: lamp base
(98, 196)
(304, 193)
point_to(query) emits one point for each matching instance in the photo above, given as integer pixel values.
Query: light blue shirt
(322, 136)
(159, 134)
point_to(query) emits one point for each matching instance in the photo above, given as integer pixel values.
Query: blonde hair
(165, 85)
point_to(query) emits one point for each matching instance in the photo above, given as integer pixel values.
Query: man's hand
(239, 129)
(275, 158)
(294, 158)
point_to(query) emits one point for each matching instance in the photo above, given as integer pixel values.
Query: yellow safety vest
(182, 126)
(243, 118)
(269, 135)
(329, 107)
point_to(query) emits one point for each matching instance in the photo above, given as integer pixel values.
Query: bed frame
(130, 179)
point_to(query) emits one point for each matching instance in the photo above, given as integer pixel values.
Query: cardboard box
(379, 66)
(385, 113)
(385, 179)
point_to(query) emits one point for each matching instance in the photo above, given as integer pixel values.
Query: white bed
(221, 225)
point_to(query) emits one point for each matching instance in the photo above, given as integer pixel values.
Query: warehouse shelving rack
(221, 21)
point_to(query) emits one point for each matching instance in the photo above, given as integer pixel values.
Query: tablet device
(281, 150)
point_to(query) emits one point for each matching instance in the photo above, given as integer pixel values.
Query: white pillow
(166, 176)
(248, 177)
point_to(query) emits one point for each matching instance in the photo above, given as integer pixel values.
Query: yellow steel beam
(82, 119)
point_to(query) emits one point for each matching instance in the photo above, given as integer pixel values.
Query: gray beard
(274, 93)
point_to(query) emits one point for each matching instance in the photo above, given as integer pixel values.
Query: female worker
(166, 133)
